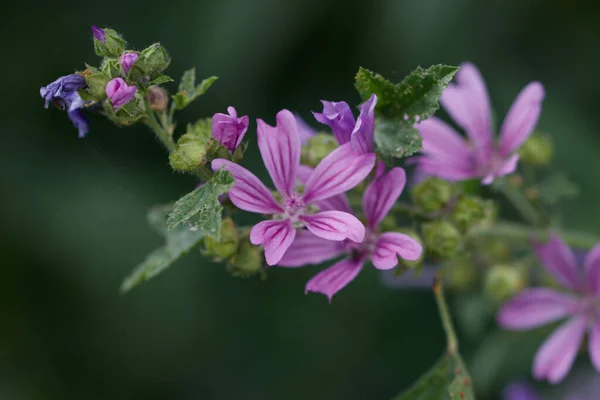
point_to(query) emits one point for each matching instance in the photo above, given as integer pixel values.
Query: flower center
(364, 249)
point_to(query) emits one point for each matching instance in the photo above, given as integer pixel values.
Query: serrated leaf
(557, 187)
(396, 139)
(447, 379)
(160, 79)
(201, 208)
(179, 241)
(188, 90)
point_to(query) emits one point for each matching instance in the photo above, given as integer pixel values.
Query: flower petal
(556, 356)
(594, 344)
(390, 245)
(338, 202)
(442, 141)
(444, 168)
(592, 270)
(520, 391)
(248, 192)
(333, 279)
(521, 118)
(338, 116)
(310, 249)
(280, 150)
(275, 236)
(363, 134)
(381, 194)
(535, 307)
(558, 259)
(335, 225)
(468, 103)
(337, 173)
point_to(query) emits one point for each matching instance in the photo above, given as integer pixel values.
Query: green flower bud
(96, 81)
(459, 273)
(153, 60)
(433, 194)
(316, 148)
(468, 210)
(503, 281)
(246, 262)
(192, 148)
(226, 246)
(537, 150)
(442, 239)
(112, 45)
(129, 113)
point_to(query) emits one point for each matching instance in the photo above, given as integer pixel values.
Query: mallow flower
(297, 207)
(229, 130)
(128, 59)
(119, 92)
(448, 156)
(63, 93)
(360, 133)
(382, 249)
(540, 306)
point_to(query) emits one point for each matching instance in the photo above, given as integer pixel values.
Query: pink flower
(382, 249)
(280, 146)
(119, 93)
(127, 61)
(229, 130)
(448, 156)
(539, 306)
(361, 133)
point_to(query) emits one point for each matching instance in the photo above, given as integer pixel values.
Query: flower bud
(107, 42)
(246, 262)
(127, 114)
(317, 147)
(158, 98)
(537, 150)
(226, 246)
(442, 239)
(468, 210)
(128, 59)
(459, 272)
(229, 130)
(432, 194)
(153, 60)
(119, 93)
(503, 281)
(188, 155)
(96, 85)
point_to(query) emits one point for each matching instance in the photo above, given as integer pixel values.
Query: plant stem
(160, 132)
(519, 232)
(520, 202)
(438, 292)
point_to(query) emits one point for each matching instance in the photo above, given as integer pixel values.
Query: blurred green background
(72, 212)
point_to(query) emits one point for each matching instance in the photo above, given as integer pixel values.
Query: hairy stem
(161, 133)
(438, 292)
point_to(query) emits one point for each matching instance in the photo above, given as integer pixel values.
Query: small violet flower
(229, 130)
(448, 156)
(539, 306)
(119, 93)
(280, 147)
(360, 133)
(128, 60)
(63, 93)
(382, 249)
(98, 34)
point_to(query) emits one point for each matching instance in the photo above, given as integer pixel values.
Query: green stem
(520, 202)
(518, 232)
(160, 132)
(438, 292)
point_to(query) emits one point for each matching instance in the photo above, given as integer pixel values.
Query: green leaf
(557, 187)
(396, 139)
(189, 91)
(160, 79)
(201, 208)
(179, 241)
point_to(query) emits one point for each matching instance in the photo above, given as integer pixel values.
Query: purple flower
(229, 130)
(382, 249)
(127, 61)
(119, 93)
(280, 146)
(63, 93)
(520, 391)
(539, 306)
(360, 133)
(448, 156)
(98, 34)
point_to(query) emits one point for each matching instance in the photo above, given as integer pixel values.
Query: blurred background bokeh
(73, 212)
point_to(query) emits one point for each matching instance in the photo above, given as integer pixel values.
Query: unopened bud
(442, 239)
(96, 84)
(228, 129)
(119, 93)
(227, 244)
(432, 194)
(188, 155)
(503, 281)
(246, 262)
(107, 42)
(128, 59)
(153, 60)
(468, 210)
(317, 147)
(158, 98)
(537, 150)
